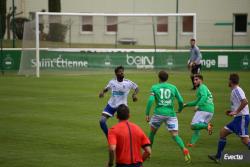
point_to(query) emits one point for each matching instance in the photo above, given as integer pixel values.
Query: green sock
(179, 141)
(199, 126)
(151, 137)
(195, 136)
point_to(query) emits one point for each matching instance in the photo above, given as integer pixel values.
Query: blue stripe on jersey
(238, 94)
(117, 93)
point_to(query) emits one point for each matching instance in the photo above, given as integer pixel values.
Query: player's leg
(172, 126)
(155, 123)
(243, 130)
(246, 141)
(103, 123)
(227, 130)
(106, 114)
(200, 121)
(194, 70)
(192, 80)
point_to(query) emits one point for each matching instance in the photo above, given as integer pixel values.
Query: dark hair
(234, 78)
(192, 39)
(198, 76)
(119, 68)
(163, 76)
(122, 112)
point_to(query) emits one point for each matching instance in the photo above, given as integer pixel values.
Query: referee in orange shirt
(126, 140)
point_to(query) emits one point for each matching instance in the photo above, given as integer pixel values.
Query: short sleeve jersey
(207, 103)
(237, 95)
(119, 91)
(164, 94)
(129, 139)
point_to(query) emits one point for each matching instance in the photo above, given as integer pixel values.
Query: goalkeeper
(204, 109)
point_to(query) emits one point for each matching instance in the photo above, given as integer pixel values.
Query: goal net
(74, 42)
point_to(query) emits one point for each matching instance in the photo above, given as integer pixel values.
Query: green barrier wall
(212, 60)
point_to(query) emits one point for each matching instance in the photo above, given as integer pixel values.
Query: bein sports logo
(140, 61)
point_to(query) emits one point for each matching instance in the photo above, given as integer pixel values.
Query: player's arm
(192, 103)
(147, 152)
(105, 90)
(243, 104)
(146, 146)
(112, 141)
(136, 91)
(101, 94)
(202, 98)
(179, 99)
(150, 102)
(112, 149)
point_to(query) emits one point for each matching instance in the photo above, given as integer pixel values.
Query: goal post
(110, 31)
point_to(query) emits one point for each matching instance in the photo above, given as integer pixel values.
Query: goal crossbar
(100, 14)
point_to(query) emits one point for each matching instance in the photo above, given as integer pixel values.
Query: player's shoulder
(172, 86)
(203, 86)
(112, 80)
(238, 90)
(164, 85)
(196, 47)
(127, 80)
(135, 126)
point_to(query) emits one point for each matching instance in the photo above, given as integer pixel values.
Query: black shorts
(129, 165)
(196, 69)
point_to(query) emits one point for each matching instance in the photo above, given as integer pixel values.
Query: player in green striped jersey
(163, 94)
(204, 109)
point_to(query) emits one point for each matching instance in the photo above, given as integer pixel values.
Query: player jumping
(164, 94)
(239, 125)
(204, 109)
(120, 88)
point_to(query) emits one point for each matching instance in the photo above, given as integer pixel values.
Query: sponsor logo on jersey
(117, 93)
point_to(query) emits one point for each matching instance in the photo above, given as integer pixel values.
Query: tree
(57, 31)
(2, 18)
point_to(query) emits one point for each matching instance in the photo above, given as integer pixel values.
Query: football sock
(104, 125)
(195, 136)
(199, 126)
(248, 145)
(221, 145)
(179, 141)
(151, 137)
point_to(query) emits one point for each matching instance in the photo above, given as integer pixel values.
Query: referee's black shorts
(196, 69)
(129, 165)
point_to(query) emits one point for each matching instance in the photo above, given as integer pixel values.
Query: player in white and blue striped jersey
(240, 111)
(119, 88)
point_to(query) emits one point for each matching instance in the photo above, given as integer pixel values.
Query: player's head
(192, 42)
(234, 79)
(122, 112)
(163, 76)
(119, 72)
(198, 79)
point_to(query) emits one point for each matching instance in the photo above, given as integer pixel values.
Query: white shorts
(202, 117)
(170, 122)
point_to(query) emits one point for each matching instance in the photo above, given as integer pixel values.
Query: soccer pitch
(53, 121)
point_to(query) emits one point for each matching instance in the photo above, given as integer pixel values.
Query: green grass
(53, 121)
